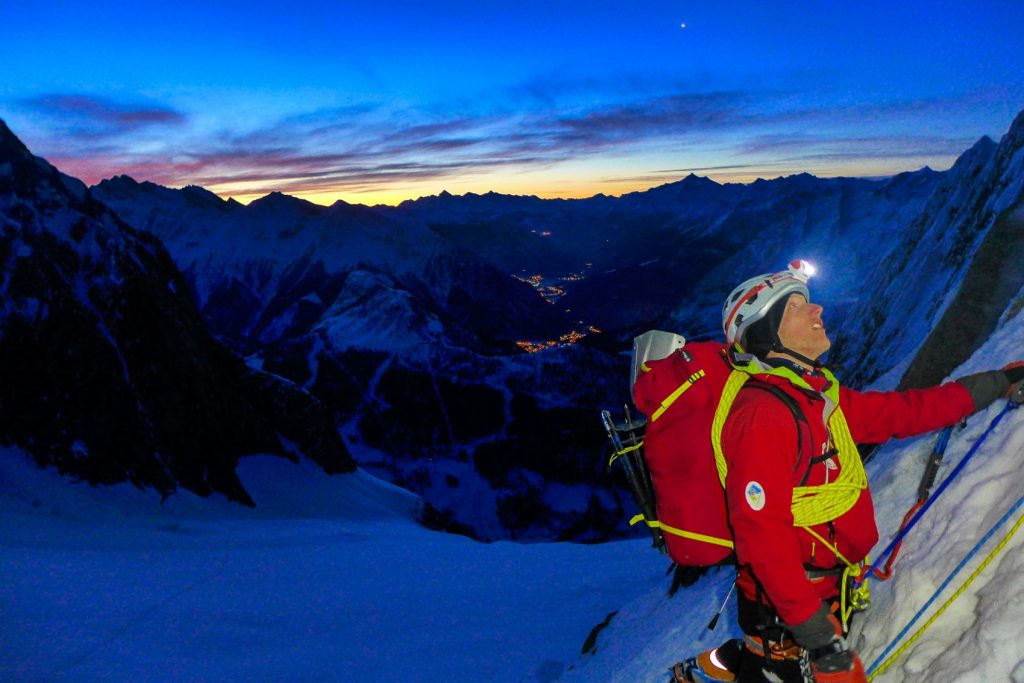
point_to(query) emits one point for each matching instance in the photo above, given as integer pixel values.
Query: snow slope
(327, 579)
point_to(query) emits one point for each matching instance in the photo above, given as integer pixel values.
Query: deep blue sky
(384, 101)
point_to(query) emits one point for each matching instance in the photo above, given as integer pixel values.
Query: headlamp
(802, 270)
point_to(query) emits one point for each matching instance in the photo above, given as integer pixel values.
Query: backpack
(679, 393)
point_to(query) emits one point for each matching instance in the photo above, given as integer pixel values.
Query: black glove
(986, 387)
(1014, 371)
(822, 637)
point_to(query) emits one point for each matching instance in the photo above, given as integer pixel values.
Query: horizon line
(247, 198)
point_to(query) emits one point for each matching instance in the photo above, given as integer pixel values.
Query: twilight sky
(376, 102)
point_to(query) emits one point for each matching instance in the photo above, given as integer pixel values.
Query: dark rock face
(108, 371)
(995, 267)
(992, 280)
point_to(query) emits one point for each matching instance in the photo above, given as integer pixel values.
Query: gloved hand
(1014, 371)
(986, 387)
(831, 660)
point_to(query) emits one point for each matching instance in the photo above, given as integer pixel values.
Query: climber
(790, 427)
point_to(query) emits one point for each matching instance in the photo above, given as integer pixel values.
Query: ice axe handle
(609, 426)
(931, 470)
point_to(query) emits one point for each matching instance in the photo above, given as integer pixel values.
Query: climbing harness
(813, 505)
(852, 597)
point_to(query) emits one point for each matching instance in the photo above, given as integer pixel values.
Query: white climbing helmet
(749, 302)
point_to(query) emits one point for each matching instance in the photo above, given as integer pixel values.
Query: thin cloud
(369, 146)
(655, 118)
(695, 169)
(101, 116)
(853, 148)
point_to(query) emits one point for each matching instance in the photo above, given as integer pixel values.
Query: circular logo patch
(755, 496)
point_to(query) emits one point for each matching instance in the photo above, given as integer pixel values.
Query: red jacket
(759, 441)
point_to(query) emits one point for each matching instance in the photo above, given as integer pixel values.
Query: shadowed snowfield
(327, 580)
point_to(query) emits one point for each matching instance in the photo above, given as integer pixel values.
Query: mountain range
(459, 346)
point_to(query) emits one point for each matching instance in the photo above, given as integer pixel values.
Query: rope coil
(812, 505)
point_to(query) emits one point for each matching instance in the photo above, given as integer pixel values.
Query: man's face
(801, 328)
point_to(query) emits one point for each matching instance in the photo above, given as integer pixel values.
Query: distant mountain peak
(1016, 132)
(694, 180)
(201, 195)
(691, 182)
(32, 170)
(279, 200)
(10, 145)
(983, 143)
(122, 180)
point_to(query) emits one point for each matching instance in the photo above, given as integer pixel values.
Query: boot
(841, 667)
(717, 664)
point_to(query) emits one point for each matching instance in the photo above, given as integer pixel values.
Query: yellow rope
(628, 449)
(861, 596)
(812, 505)
(917, 634)
(835, 550)
(819, 504)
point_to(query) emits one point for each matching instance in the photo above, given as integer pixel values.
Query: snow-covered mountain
(410, 323)
(108, 370)
(669, 255)
(411, 339)
(402, 318)
(271, 270)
